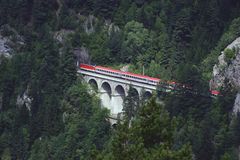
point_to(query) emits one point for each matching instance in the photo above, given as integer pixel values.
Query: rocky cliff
(228, 71)
(10, 41)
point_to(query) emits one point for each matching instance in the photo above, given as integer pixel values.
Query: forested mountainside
(46, 111)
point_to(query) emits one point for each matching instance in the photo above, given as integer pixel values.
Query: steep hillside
(46, 111)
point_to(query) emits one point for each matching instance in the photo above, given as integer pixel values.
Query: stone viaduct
(112, 89)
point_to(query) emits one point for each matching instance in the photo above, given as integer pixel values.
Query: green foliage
(173, 40)
(85, 129)
(226, 157)
(67, 69)
(98, 48)
(137, 38)
(149, 137)
(230, 35)
(131, 104)
(156, 125)
(229, 55)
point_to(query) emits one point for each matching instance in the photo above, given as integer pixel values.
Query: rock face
(236, 107)
(230, 72)
(82, 55)
(24, 99)
(110, 27)
(10, 41)
(4, 48)
(88, 25)
(61, 35)
(125, 68)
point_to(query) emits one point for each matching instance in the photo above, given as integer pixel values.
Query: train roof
(127, 73)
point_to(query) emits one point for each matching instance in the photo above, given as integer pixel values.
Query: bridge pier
(105, 100)
(117, 103)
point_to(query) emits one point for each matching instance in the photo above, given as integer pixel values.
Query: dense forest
(46, 111)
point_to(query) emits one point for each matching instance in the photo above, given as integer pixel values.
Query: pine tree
(42, 12)
(114, 43)
(156, 125)
(131, 104)
(68, 71)
(149, 137)
(105, 8)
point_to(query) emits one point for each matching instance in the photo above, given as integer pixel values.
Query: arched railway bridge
(113, 85)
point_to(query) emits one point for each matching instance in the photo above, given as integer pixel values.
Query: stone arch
(147, 95)
(93, 83)
(136, 92)
(106, 87)
(117, 99)
(120, 90)
(106, 95)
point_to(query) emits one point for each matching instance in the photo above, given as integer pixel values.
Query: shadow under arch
(146, 95)
(135, 94)
(93, 84)
(120, 91)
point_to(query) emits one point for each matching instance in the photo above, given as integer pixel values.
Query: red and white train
(121, 74)
(137, 77)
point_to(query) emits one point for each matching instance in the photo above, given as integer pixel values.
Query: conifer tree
(131, 104)
(68, 73)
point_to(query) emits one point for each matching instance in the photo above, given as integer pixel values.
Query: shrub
(229, 54)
